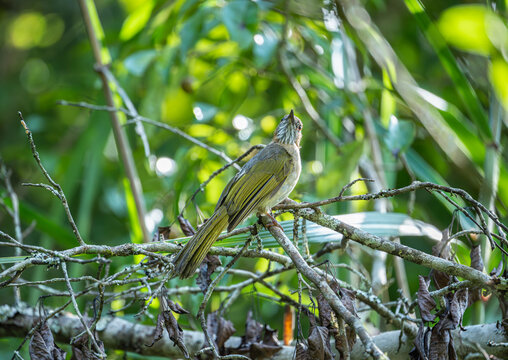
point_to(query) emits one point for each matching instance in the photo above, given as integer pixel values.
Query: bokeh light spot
(268, 124)
(165, 166)
(259, 39)
(153, 218)
(27, 30)
(34, 76)
(240, 122)
(198, 113)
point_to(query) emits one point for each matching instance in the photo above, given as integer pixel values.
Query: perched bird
(263, 182)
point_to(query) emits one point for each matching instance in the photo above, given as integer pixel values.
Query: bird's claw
(273, 222)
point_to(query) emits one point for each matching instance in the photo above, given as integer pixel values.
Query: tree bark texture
(120, 334)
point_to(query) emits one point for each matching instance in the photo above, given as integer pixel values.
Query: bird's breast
(290, 182)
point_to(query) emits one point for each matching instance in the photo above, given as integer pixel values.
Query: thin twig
(63, 266)
(140, 130)
(135, 118)
(59, 192)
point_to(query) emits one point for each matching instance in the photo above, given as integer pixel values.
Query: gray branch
(117, 333)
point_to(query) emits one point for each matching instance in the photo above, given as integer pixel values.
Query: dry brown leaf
(220, 327)
(166, 320)
(425, 302)
(302, 352)
(206, 269)
(186, 226)
(42, 345)
(319, 343)
(81, 349)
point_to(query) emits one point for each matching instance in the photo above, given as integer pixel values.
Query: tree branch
(120, 334)
(322, 284)
(405, 252)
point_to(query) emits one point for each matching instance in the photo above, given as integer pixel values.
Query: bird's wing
(258, 180)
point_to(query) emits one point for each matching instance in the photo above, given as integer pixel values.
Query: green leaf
(137, 62)
(192, 30)
(462, 85)
(136, 21)
(239, 16)
(63, 236)
(399, 136)
(11, 259)
(498, 73)
(464, 26)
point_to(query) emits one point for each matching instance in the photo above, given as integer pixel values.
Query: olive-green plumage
(263, 182)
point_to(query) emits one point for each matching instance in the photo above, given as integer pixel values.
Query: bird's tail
(193, 253)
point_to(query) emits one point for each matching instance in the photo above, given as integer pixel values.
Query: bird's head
(289, 130)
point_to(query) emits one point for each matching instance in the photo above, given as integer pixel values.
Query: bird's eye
(299, 127)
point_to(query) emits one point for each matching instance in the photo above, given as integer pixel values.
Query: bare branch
(136, 118)
(124, 335)
(405, 252)
(59, 192)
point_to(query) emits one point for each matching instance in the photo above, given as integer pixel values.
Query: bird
(263, 182)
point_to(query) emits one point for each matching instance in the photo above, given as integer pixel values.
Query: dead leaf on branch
(456, 308)
(440, 343)
(268, 347)
(425, 302)
(476, 258)
(206, 269)
(220, 329)
(476, 263)
(186, 226)
(348, 298)
(253, 332)
(175, 307)
(259, 342)
(420, 350)
(302, 352)
(319, 343)
(344, 335)
(163, 233)
(441, 340)
(442, 250)
(42, 345)
(436, 343)
(166, 320)
(81, 349)
(325, 311)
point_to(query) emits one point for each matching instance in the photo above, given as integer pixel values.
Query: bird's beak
(292, 116)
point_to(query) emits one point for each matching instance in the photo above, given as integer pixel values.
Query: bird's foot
(273, 222)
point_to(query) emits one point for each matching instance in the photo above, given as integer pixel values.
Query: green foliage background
(197, 65)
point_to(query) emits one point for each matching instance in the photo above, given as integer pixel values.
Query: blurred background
(225, 72)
